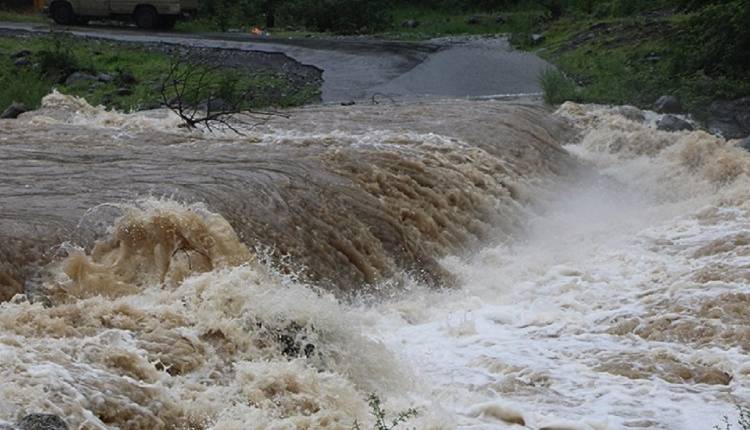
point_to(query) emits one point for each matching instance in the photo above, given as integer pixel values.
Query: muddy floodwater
(491, 264)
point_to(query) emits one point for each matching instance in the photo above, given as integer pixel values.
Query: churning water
(491, 264)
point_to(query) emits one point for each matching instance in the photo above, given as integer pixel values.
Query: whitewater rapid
(606, 286)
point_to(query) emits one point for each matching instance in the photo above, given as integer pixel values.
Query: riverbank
(129, 77)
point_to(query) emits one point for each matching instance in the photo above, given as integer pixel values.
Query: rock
(173, 102)
(77, 77)
(745, 144)
(668, 104)
(216, 105)
(349, 103)
(19, 54)
(7, 427)
(42, 422)
(631, 112)
(123, 91)
(13, 111)
(730, 118)
(474, 20)
(500, 19)
(537, 38)
(22, 62)
(103, 77)
(126, 78)
(410, 23)
(672, 123)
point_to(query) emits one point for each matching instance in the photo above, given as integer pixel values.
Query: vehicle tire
(146, 17)
(62, 13)
(167, 22)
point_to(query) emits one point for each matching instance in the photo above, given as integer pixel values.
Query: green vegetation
(633, 52)
(557, 87)
(743, 421)
(13, 16)
(605, 51)
(118, 76)
(380, 415)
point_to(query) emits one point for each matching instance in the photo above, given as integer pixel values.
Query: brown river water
(492, 264)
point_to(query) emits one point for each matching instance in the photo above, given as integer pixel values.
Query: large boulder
(13, 111)
(673, 123)
(630, 112)
(42, 422)
(668, 104)
(730, 118)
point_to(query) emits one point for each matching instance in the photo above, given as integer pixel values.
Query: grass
(439, 23)
(629, 61)
(11, 16)
(54, 58)
(557, 87)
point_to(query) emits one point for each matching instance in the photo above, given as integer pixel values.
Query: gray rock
(730, 118)
(77, 77)
(42, 422)
(103, 77)
(631, 112)
(22, 62)
(500, 19)
(13, 111)
(668, 104)
(537, 38)
(124, 91)
(672, 123)
(4, 426)
(125, 78)
(474, 20)
(216, 105)
(19, 54)
(410, 23)
(745, 144)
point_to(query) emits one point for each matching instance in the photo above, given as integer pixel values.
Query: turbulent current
(491, 264)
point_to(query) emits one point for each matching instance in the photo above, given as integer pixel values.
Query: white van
(147, 14)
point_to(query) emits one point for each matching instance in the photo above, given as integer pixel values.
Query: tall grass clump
(557, 87)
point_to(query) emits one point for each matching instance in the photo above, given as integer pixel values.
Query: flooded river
(492, 264)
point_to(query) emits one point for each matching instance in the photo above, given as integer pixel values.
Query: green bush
(717, 39)
(23, 86)
(557, 87)
(338, 16)
(58, 61)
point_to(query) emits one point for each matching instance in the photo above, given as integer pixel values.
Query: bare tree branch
(206, 95)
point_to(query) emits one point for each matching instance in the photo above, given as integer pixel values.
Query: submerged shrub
(743, 421)
(381, 420)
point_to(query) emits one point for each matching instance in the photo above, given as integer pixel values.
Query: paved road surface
(358, 68)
